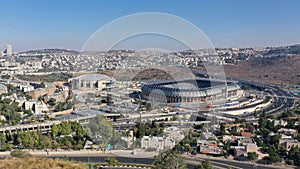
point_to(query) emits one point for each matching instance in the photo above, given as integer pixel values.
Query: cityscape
(233, 106)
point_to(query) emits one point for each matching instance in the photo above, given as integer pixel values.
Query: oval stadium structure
(191, 90)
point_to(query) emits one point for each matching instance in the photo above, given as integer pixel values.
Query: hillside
(34, 163)
(272, 70)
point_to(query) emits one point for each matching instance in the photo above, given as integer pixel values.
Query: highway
(192, 161)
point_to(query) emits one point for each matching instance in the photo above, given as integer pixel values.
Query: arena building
(191, 90)
(91, 82)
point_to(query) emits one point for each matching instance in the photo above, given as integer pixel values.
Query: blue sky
(36, 24)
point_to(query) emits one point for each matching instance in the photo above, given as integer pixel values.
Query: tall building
(9, 50)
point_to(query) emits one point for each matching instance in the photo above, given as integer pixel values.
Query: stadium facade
(191, 90)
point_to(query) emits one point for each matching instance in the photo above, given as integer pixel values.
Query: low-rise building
(174, 133)
(288, 131)
(249, 143)
(288, 144)
(48, 90)
(3, 89)
(36, 106)
(208, 136)
(244, 144)
(159, 143)
(25, 88)
(280, 122)
(91, 82)
(210, 147)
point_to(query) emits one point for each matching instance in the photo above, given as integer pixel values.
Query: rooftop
(90, 77)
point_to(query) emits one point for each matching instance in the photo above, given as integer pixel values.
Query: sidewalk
(52, 153)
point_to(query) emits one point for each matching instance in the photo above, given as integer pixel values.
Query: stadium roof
(91, 77)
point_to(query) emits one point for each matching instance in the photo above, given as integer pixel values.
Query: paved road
(221, 163)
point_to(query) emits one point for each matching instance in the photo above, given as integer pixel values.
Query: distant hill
(50, 51)
(272, 70)
(285, 50)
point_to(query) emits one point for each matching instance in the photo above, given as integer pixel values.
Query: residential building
(210, 147)
(174, 133)
(159, 143)
(288, 144)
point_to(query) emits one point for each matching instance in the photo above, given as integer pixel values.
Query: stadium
(191, 90)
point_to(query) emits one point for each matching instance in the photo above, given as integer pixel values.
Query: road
(220, 163)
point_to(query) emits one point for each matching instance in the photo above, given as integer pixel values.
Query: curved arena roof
(92, 77)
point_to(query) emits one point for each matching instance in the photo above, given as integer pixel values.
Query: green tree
(252, 156)
(100, 130)
(51, 102)
(169, 160)
(274, 140)
(65, 128)
(28, 112)
(188, 148)
(273, 155)
(55, 145)
(205, 165)
(46, 142)
(42, 85)
(262, 121)
(128, 133)
(222, 129)
(54, 130)
(111, 161)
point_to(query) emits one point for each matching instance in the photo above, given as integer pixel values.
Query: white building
(91, 82)
(37, 107)
(158, 143)
(9, 50)
(174, 133)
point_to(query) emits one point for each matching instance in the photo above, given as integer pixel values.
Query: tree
(262, 121)
(273, 155)
(52, 102)
(28, 112)
(252, 156)
(46, 142)
(222, 129)
(169, 160)
(128, 133)
(43, 85)
(274, 140)
(188, 148)
(111, 161)
(54, 130)
(174, 118)
(100, 130)
(2, 138)
(65, 127)
(141, 129)
(55, 145)
(69, 145)
(205, 165)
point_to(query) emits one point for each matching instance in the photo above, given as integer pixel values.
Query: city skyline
(54, 24)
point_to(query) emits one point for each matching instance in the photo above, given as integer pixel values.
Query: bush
(20, 154)
(112, 161)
